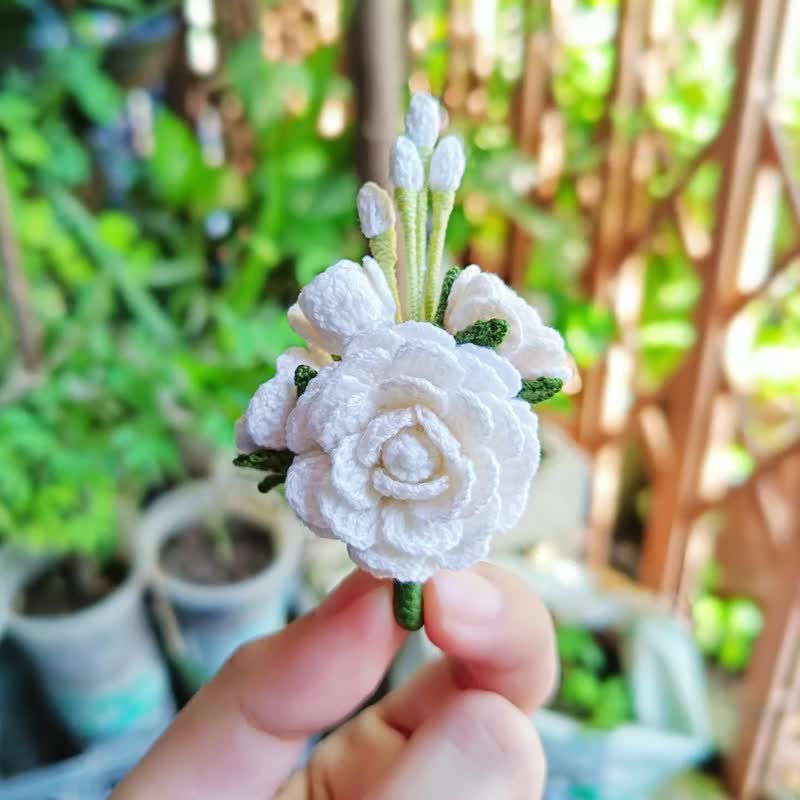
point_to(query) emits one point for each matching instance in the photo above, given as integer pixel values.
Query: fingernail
(468, 597)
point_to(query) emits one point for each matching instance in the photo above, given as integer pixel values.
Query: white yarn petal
(269, 408)
(379, 430)
(407, 535)
(349, 476)
(306, 474)
(354, 526)
(399, 490)
(341, 302)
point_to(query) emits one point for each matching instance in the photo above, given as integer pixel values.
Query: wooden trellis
(679, 424)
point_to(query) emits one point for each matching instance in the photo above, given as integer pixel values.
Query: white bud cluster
(406, 167)
(375, 210)
(447, 165)
(423, 120)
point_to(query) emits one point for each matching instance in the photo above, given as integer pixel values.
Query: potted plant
(225, 564)
(74, 602)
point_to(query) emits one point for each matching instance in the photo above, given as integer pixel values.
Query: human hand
(459, 729)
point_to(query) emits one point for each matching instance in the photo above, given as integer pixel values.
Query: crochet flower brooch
(405, 429)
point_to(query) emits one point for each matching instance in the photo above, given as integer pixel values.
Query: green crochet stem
(407, 206)
(384, 251)
(408, 605)
(441, 207)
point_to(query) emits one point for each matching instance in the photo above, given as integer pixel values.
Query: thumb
(243, 732)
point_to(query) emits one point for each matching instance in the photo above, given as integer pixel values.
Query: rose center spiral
(410, 456)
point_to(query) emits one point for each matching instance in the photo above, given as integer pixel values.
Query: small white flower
(406, 167)
(533, 348)
(412, 450)
(375, 210)
(423, 120)
(341, 302)
(264, 422)
(447, 165)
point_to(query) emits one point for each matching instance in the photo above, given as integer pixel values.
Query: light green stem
(407, 206)
(425, 154)
(442, 206)
(384, 251)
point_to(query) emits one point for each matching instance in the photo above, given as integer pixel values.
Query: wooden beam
(700, 377)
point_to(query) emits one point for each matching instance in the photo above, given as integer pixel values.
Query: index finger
(497, 636)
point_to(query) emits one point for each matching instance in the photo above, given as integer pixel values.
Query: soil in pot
(212, 556)
(69, 585)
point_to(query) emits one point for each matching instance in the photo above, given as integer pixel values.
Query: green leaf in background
(96, 94)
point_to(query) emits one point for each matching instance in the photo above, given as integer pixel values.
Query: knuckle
(487, 726)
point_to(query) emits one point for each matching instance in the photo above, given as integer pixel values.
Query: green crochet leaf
(271, 481)
(447, 284)
(540, 389)
(484, 332)
(302, 376)
(266, 460)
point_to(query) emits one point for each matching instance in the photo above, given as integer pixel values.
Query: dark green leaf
(271, 481)
(539, 390)
(266, 460)
(302, 376)
(484, 333)
(447, 284)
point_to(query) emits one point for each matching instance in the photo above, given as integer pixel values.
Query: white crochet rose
(263, 424)
(340, 302)
(412, 450)
(533, 348)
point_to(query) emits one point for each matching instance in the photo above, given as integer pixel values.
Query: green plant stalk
(220, 540)
(137, 298)
(407, 604)
(407, 201)
(384, 251)
(442, 206)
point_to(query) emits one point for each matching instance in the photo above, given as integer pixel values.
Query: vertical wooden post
(379, 59)
(609, 238)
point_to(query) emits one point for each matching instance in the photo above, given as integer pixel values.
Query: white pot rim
(101, 614)
(190, 503)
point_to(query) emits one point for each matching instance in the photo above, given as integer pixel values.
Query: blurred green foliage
(154, 331)
(725, 628)
(589, 689)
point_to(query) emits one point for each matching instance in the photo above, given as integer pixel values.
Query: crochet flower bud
(422, 120)
(447, 165)
(536, 350)
(344, 300)
(406, 167)
(375, 210)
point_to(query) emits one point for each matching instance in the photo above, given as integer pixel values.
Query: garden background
(171, 173)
